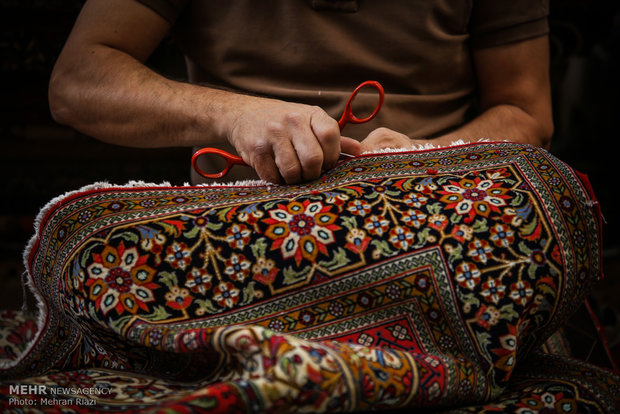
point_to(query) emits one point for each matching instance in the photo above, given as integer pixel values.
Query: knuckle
(274, 128)
(386, 138)
(294, 119)
(261, 148)
(327, 124)
(382, 133)
(319, 113)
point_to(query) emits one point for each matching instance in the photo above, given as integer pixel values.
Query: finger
(308, 150)
(327, 133)
(382, 138)
(350, 146)
(262, 159)
(284, 154)
(266, 168)
(310, 154)
(287, 162)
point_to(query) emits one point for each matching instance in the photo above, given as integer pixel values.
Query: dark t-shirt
(418, 49)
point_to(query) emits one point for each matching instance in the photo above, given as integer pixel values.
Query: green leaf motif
(192, 233)
(339, 259)
(292, 276)
(484, 339)
(203, 402)
(128, 236)
(214, 226)
(383, 248)
(159, 314)
(508, 312)
(456, 254)
(169, 279)
(118, 324)
(259, 247)
(349, 222)
(422, 237)
(480, 226)
(455, 218)
(248, 294)
(435, 208)
(207, 306)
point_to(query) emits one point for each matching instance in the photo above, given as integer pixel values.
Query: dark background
(40, 160)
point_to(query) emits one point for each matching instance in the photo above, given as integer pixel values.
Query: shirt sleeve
(498, 22)
(168, 9)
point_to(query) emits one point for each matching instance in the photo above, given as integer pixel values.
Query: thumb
(350, 146)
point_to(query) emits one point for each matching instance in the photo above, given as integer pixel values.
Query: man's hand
(382, 138)
(285, 141)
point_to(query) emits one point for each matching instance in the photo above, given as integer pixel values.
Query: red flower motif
(521, 292)
(401, 237)
(306, 317)
(199, 281)
(178, 255)
(225, 294)
(237, 267)
(178, 298)
(461, 233)
(376, 225)
(359, 207)
(502, 235)
(357, 241)
(120, 279)
(493, 290)
(414, 218)
(474, 197)
(415, 200)
(467, 275)
(238, 236)
(487, 316)
(480, 250)
(264, 271)
(438, 222)
(301, 230)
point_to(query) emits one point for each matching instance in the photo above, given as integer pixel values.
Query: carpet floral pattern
(414, 279)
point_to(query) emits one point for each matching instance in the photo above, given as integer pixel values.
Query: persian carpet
(412, 279)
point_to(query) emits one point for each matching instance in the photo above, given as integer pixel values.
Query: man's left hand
(382, 138)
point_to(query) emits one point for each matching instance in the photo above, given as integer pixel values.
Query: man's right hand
(285, 141)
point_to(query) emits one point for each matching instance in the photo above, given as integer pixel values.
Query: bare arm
(101, 87)
(515, 95)
(515, 99)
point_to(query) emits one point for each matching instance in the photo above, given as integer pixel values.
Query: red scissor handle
(349, 116)
(230, 161)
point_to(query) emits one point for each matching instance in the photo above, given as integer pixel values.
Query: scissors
(347, 117)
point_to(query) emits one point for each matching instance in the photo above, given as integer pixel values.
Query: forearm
(497, 123)
(514, 93)
(502, 122)
(115, 98)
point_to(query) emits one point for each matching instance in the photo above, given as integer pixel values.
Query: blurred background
(40, 160)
